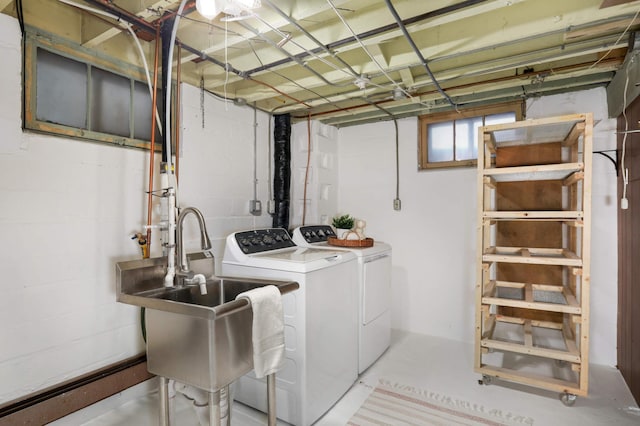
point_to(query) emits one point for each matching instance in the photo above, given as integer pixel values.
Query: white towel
(267, 329)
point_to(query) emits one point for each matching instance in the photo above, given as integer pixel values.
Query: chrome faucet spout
(205, 243)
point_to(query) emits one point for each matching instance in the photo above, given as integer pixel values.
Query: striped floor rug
(399, 405)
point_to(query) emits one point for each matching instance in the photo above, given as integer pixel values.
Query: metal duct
(282, 169)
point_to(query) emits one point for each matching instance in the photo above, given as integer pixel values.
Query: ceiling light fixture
(212, 8)
(209, 8)
(361, 82)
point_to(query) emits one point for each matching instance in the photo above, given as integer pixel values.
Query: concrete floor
(434, 364)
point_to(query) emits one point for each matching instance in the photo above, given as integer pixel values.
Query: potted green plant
(343, 224)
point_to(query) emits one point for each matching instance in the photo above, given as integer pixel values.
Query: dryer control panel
(317, 233)
(260, 240)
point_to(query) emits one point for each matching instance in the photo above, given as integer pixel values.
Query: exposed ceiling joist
(343, 60)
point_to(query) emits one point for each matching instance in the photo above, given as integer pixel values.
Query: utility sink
(199, 339)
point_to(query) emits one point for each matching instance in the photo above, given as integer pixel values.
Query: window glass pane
(505, 117)
(142, 112)
(61, 88)
(467, 138)
(440, 141)
(110, 103)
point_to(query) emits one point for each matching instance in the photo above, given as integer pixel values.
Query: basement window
(450, 139)
(72, 92)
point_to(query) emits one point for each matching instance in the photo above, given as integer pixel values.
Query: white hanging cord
(617, 41)
(624, 203)
(226, 63)
(344, 22)
(202, 99)
(362, 45)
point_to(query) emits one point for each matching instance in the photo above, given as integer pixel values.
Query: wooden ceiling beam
(4, 3)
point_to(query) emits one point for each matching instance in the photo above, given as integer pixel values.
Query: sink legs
(271, 399)
(214, 408)
(164, 401)
(214, 403)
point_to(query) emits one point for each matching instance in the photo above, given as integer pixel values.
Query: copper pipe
(188, 8)
(306, 173)
(297, 101)
(611, 61)
(177, 116)
(152, 148)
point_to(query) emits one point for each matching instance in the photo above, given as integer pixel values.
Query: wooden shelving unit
(533, 266)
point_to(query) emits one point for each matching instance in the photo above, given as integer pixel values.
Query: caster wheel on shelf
(568, 399)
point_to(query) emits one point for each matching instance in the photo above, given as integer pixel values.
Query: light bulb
(235, 7)
(208, 8)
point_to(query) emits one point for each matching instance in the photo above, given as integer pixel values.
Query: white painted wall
(433, 236)
(322, 175)
(69, 209)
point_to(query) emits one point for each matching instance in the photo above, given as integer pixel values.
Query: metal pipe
(371, 33)
(226, 66)
(396, 201)
(124, 15)
(271, 399)
(152, 148)
(164, 402)
(415, 48)
(255, 152)
(286, 53)
(310, 36)
(169, 183)
(461, 86)
(306, 172)
(177, 115)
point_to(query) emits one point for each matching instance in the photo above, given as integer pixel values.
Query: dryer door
(376, 282)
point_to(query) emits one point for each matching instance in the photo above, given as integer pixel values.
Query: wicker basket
(367, 242)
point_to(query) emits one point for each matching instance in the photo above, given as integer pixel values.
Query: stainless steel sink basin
(200, 339)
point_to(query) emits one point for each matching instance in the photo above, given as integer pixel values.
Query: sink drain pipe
(282, 170)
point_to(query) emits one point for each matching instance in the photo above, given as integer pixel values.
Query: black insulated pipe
(282, 169)
(165, 35)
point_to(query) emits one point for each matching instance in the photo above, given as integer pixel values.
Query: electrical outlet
(397, 205)
(271, 207)
(255, 207)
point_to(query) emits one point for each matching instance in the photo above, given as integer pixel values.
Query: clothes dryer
(374, 290)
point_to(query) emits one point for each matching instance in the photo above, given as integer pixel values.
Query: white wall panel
(433, 236)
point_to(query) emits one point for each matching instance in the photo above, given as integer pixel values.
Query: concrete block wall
(216, 167)
(433, 236)
(68, 211)
(317, 145)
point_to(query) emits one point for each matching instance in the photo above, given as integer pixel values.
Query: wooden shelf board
(566, 215)
(530, 379)
(529, 255)
(539, 306)
(552, 129)
(538, 172)
(527, 300)
(570, 354)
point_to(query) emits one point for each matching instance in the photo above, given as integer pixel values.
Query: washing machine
(374, 290)
(320, 321)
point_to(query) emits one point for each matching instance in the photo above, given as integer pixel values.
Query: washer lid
(316, 236)
(260, 249)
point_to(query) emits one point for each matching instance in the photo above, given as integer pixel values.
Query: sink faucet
(185, 275)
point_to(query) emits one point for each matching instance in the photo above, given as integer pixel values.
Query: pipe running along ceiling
(347, 62)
